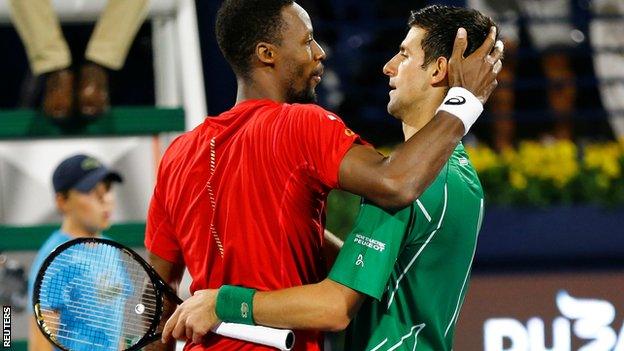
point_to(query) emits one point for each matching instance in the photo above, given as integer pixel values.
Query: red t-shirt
(241, 200)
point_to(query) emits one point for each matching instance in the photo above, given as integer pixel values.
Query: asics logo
(457, 100)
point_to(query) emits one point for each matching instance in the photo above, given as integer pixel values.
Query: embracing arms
(323, 306)
(399, 179)
(394, 181)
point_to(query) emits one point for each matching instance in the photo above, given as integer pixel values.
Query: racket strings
(94, 296)
(104, 296)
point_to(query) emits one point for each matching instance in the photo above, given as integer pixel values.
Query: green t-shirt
(414, 263)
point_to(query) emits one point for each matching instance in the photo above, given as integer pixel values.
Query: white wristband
(462, 104)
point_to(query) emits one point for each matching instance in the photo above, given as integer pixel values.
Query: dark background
(359, 38)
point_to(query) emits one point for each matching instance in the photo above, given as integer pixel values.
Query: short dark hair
(441, 24)
(242, 24)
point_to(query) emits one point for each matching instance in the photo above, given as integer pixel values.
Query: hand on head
(477, 72)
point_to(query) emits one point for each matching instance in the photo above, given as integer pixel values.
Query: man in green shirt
(413, 263)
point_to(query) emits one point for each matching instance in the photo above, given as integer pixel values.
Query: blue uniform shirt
(112, 286)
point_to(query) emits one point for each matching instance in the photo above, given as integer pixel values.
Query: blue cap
(82, 173)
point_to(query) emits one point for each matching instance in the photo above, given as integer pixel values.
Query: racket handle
(281, 339)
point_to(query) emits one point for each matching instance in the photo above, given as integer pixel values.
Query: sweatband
(235, 304)
(464, 105)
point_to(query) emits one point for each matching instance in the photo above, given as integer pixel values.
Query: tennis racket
(95, 294)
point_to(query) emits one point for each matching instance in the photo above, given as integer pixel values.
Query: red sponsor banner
(543, 312)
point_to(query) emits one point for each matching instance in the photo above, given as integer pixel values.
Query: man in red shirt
(241, 199)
